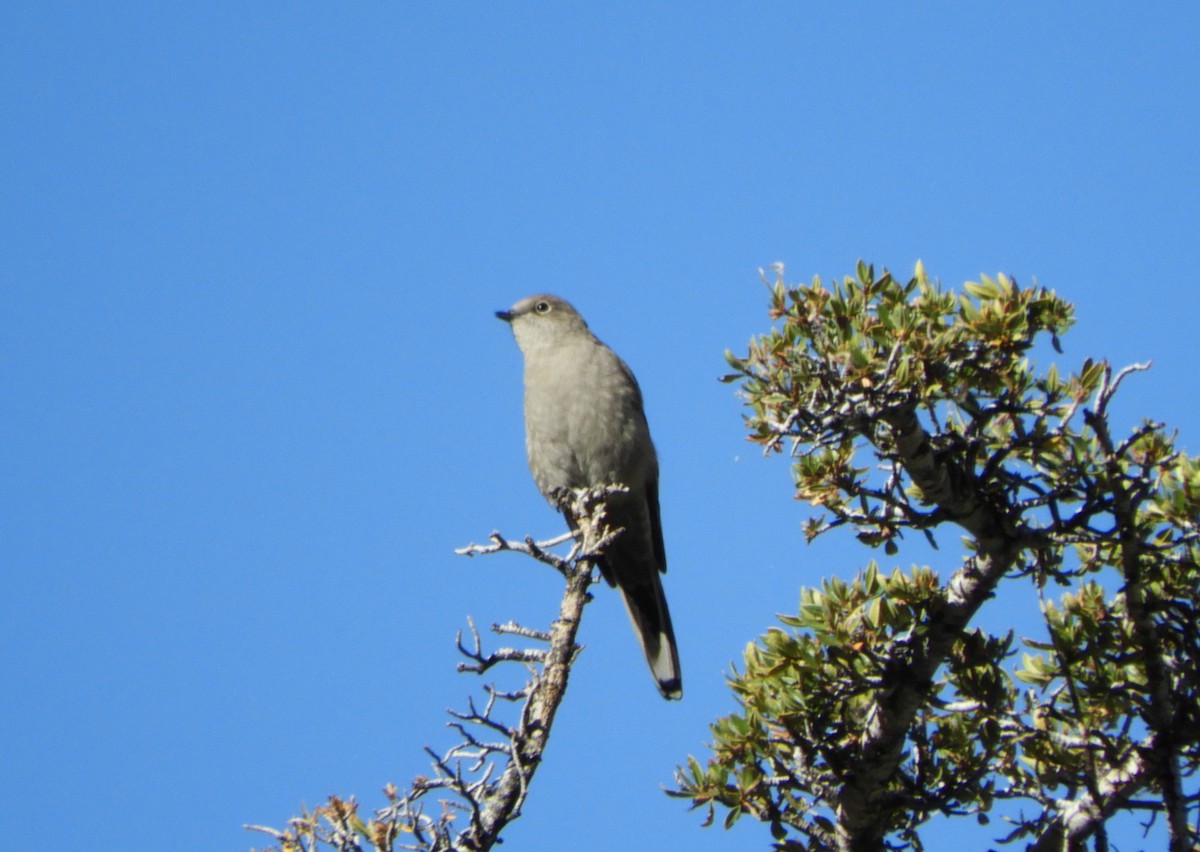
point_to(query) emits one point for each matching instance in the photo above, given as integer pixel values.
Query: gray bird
(585, 427)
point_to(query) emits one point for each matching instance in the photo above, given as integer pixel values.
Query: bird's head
(543, 321)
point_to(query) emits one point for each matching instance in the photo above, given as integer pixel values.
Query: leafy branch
(906, 408)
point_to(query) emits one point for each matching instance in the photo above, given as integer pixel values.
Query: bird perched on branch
(584, 428)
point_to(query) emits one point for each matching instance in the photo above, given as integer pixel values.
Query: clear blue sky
(254, 393)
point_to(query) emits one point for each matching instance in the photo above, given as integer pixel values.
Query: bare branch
(486, 780)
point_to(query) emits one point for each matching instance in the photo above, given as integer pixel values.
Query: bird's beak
(507, 316)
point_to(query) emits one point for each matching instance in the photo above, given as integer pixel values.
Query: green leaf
(982, 291)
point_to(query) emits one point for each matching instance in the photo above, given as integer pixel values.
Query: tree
(483, 780)
(910, 409)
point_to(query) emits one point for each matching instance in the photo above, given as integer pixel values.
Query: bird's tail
(647, 608)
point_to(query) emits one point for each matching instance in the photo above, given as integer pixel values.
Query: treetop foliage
(906, 407)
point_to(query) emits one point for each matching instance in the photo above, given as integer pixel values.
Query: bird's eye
(542, 307)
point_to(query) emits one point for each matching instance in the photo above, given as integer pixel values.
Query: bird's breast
(583, 421)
